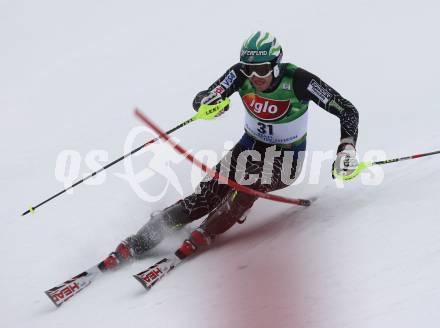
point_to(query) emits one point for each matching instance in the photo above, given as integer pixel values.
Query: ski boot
(120, 256)
(196, 240)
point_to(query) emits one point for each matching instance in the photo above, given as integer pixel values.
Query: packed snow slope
(71, 73)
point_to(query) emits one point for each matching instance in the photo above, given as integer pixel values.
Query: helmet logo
(254, 52)
(265, 109)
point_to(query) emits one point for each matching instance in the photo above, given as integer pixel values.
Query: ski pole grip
(208, 112)
(362, 166)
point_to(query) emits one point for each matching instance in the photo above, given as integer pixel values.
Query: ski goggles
(259, 70)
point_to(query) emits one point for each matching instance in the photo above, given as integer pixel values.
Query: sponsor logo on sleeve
(319, 91)
(265, 109)
(228, 80)
(219, 89)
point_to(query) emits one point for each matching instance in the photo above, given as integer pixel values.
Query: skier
(276, 97)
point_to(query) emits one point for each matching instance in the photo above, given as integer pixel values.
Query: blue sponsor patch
(229, 79)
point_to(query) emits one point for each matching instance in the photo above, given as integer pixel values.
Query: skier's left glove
(346, 161)
(209, 98)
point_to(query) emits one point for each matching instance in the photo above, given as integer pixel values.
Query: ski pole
(205, 112)
(364, 165)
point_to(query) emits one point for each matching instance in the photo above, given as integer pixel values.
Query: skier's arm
(224, 87)
(310, 87)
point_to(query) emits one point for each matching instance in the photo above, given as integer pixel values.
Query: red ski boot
(121, 256)
(197, 239)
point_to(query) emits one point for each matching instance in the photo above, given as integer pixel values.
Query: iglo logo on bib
(265, 109)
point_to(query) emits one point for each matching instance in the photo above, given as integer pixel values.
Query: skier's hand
(346, 161)
(209, 98)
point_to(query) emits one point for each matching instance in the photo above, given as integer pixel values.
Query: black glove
(209, 98)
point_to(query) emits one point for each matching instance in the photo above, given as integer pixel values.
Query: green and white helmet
(261, 47)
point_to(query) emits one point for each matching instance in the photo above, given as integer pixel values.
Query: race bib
(280, 133)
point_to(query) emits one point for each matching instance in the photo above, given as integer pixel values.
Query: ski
(60, 294)
(65, 291)
(149, 277)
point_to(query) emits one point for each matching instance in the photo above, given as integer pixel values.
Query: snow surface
(71, 73)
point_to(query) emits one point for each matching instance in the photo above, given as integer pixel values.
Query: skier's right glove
(209, 98)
